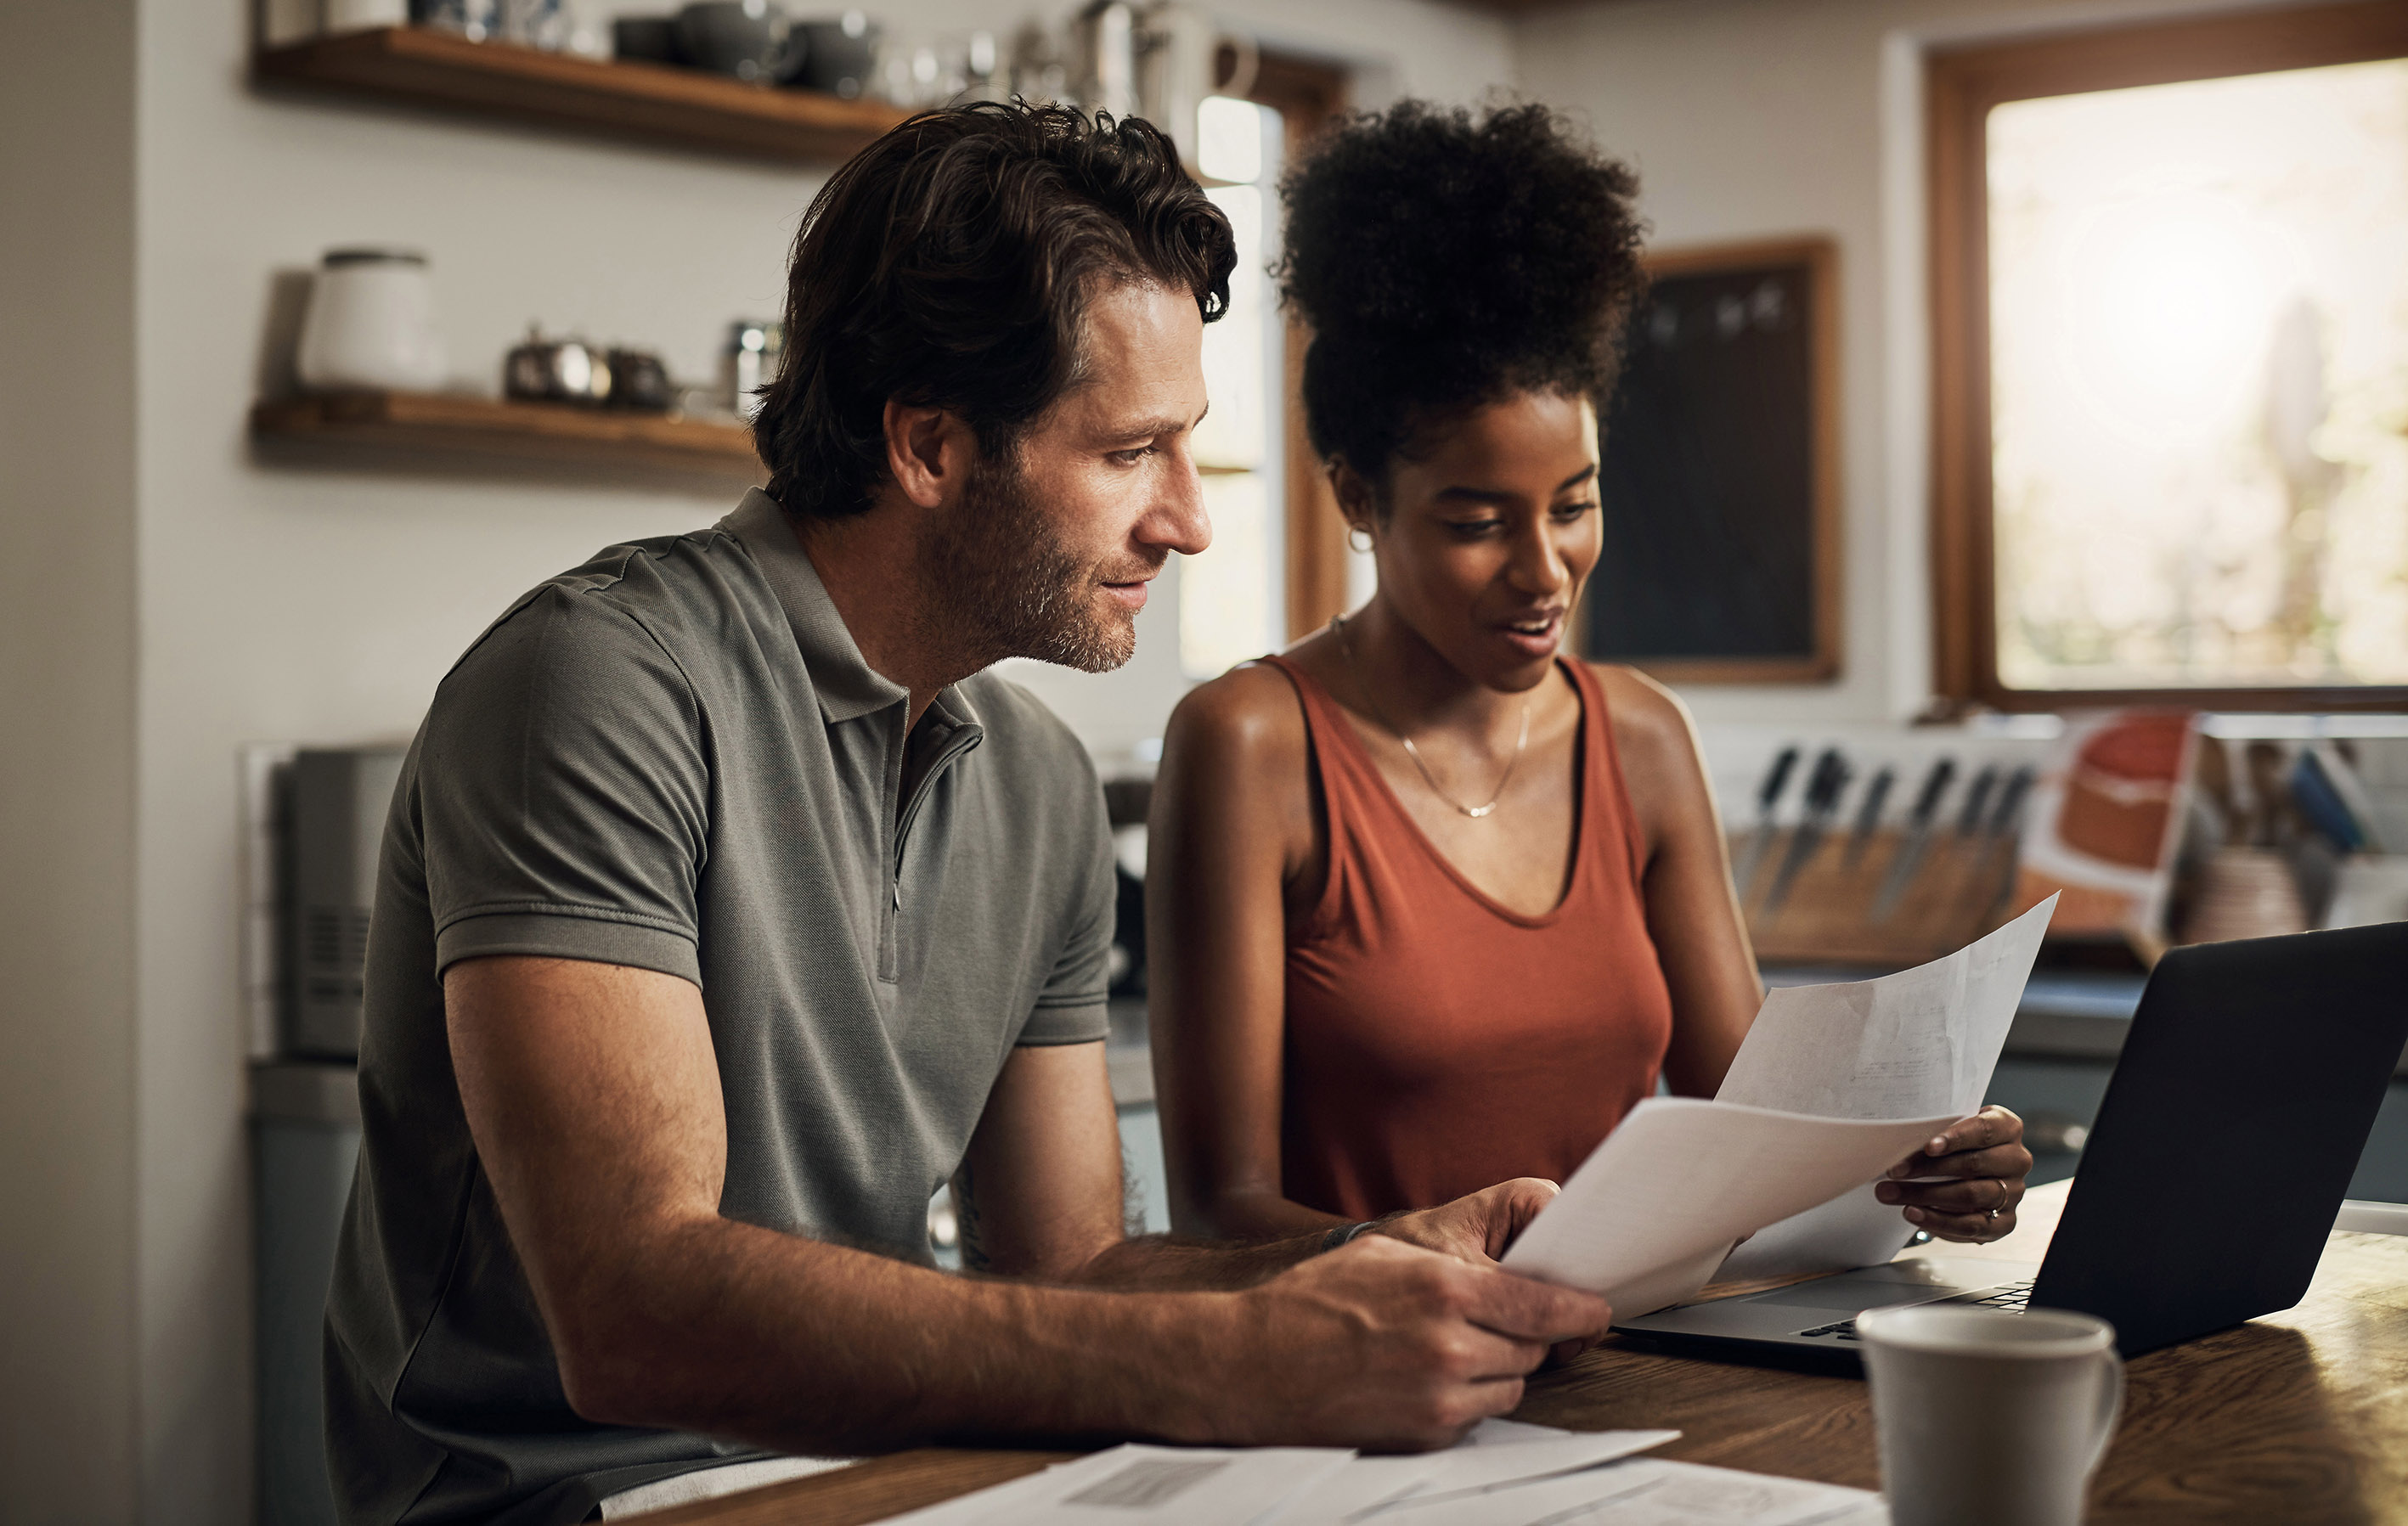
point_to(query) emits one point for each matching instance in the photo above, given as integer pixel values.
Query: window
(1229, 603)
(2170, 280)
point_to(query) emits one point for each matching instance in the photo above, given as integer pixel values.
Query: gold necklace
(1346, 640)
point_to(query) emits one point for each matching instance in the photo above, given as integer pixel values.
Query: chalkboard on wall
(1720, 474)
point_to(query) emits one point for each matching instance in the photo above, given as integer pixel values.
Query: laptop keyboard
(2013, 1297)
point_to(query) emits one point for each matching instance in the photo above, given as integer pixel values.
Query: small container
(370, 324)
(542, 370)
(640, 380)
(750, 362)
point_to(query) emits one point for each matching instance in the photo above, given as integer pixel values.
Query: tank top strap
(1605, 798)
(1351, 788)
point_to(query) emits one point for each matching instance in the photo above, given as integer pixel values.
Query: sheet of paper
(1649, 1492)
(1147, 1486)
(1922, 1041)
(1655, 1208)
(1492, 1457)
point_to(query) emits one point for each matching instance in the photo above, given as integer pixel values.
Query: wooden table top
(2299, 1417)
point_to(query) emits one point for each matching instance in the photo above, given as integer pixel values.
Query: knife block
(1964, 888)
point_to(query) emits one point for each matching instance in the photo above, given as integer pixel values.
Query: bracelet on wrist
(1343, 1233)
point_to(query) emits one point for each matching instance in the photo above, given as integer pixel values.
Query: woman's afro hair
(1444, 264)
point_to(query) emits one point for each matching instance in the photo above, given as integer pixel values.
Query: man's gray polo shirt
(674, 757)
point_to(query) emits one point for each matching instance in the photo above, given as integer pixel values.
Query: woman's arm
(1230, 829)
(1692, 913)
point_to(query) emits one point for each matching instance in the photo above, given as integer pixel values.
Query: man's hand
(1476, 1227)
(1390, 1347)
(1985, 1161)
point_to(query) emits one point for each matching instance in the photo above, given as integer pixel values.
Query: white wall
(67, 761)
(323, 606)
(1750, 119)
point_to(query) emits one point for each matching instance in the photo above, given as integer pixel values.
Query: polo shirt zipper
(963, 739)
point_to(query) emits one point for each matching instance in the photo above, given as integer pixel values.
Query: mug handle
(2110, 1408)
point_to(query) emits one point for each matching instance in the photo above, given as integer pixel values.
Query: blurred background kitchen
(2010, 475)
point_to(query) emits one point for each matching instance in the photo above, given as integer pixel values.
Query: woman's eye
(1472, 528)
(1570, 512)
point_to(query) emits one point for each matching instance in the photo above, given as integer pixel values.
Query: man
(728, 908)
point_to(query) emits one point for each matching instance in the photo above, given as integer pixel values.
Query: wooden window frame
(1309, 95)
(1961, 84)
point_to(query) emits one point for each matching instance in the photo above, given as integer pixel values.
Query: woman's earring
(1365, 546)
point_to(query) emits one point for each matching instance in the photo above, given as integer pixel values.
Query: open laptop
(2236, 1115)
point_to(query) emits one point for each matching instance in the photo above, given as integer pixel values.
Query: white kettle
(371, 325)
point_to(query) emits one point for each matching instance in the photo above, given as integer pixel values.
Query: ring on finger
(2000, 1207)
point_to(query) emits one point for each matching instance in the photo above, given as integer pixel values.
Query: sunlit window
(1229, 602)
(2199, 343)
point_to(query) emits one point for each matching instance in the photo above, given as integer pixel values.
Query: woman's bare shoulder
(1247, 715)
(1650, 722)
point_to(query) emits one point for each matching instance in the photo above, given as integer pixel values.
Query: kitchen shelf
(645, 101)
(439, 431)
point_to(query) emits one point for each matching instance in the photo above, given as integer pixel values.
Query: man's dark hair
(950, 264)
(1445, 263)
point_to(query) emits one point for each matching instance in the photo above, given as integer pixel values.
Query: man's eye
(1130, 458)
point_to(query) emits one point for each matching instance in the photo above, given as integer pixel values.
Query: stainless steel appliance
(333, 824)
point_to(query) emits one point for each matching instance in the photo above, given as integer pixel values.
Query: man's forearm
(1169, 1263)
(698, 1328)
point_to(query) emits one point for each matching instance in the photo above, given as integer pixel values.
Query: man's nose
(1177, 521)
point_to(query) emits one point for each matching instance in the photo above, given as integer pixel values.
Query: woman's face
(1491, 534)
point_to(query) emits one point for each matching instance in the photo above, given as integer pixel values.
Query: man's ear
(928, 451)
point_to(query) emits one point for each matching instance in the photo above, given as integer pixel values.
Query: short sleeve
(1073, 1008)
(563, 793)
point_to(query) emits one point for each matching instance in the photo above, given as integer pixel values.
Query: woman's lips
(1538, 637)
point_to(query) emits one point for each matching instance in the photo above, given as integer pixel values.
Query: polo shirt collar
(848, 686)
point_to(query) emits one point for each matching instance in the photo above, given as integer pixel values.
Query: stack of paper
(1501, 1474)
(1924, 1040)
(1833, 1086)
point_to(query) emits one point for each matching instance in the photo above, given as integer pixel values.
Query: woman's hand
(1984, 1162)
(1476, 1227)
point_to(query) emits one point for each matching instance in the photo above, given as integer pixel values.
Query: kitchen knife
(1823, 786)
(1868, 813)
(1768, 795)
(1977, 800)
(1917, 840)
(1991, 886)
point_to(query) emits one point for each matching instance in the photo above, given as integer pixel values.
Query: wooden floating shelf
(644, 102)
(439, 431)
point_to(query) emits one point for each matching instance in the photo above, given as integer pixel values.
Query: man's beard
(1001, 582)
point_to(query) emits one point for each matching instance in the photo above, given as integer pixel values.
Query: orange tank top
(1437, 1043)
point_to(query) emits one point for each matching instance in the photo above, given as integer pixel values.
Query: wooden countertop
(2299, 1417)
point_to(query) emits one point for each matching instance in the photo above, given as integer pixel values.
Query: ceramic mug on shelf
(370, 324)
(1990, 1419)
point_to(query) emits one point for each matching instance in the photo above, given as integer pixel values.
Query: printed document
(1650, 1492)
(1922, 1041)
(1498, 1455)
(1282, 1486)
(1656, 1207)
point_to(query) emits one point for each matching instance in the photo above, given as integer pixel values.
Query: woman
(1433, 904)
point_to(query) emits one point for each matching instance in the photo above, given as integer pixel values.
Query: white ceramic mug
(1990, 1419)
(371, 324)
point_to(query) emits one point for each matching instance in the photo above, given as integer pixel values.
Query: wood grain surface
(435, 431)
(2296, 1418)
(648, 103)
